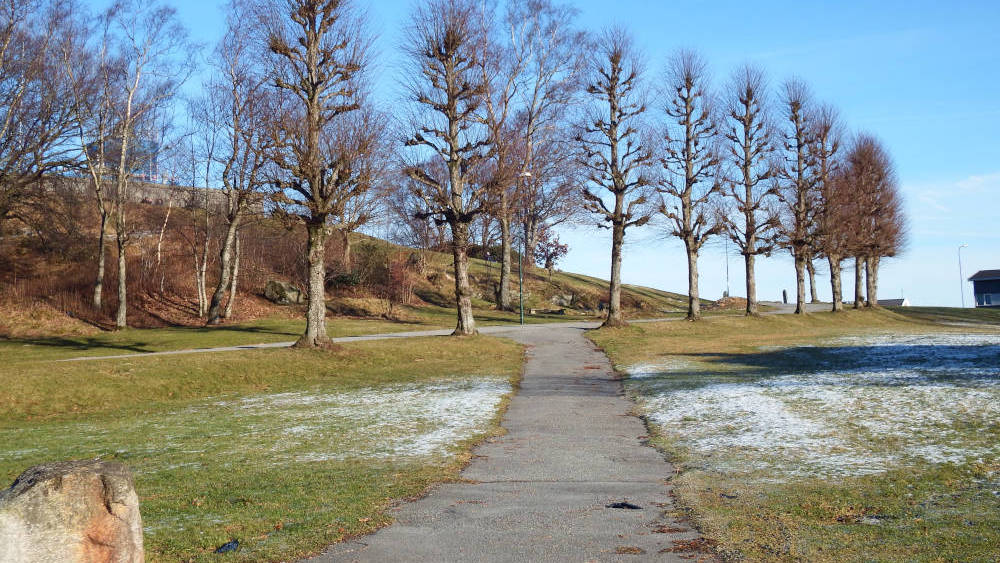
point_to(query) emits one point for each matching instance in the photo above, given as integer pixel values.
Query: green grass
(134, 341)
(137, 341)
(760, 502)
(950, 314)
(919, 513)
(285, 450)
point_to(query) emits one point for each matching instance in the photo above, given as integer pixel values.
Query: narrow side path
(541, 492)
(341, 339)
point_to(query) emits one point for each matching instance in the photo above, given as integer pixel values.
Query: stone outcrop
(283, 293)
(71, 511)
(566, 300)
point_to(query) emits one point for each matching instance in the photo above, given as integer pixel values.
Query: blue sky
(923, 76)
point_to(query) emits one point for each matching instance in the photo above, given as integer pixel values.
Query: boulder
(283, 293)
(565, 300)
(73, 511)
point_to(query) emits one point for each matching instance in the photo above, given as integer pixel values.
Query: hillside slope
(572, 293)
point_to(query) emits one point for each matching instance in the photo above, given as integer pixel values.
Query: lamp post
(961, 277)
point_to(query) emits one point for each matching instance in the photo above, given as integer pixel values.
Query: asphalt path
(571, 480)
(343, 339)
(776, 309)
(546, 490)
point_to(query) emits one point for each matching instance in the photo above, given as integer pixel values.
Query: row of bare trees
(766, 173)
(512, 117)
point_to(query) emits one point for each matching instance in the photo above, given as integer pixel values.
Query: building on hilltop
(894, 302)
(986, 287)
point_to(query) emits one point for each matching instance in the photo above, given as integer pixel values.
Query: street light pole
(961, 277)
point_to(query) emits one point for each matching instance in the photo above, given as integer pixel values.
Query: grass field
(284, 450)
(951, 315)
(278, 329)
(864, 436)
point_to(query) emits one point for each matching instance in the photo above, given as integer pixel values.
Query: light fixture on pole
(961, 277)
(520, 262)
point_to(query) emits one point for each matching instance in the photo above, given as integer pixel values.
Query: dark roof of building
(891, 302)
(986, 275)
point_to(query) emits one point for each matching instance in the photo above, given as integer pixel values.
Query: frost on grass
(176, 453)
(398, 423)
(853, 406)
(405, 421)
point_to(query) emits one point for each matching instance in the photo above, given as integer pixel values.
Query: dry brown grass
(35, 319)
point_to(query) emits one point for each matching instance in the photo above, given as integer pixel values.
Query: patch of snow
(380, 422)
(857, 406)
(672, 364)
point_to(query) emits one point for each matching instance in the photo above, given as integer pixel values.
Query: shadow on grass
(895, 365)
(239, 328)
(166, 335)
(81, 344)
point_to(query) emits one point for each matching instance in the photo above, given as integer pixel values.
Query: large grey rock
(283, 293)
(71, 511)
(564, 300)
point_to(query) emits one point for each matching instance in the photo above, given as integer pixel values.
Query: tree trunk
(858, 295)
(315, 335)
(233, 279)
(463, 295)
(694, 304)
(800, 284)
(835, 284)
(615, 316)
(199, 283)
(752, 309)
(871, 279)
(202, 275)
(121, 319)
(813, 294)
(159, 242)
(485, 237)
(225, 271)
(503, 301)
(345, 249)
(531, 243)
(99, 280)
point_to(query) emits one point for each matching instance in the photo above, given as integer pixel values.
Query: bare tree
(549, 251)
(797, 192)
(319, 52)
(201, 147)
(751, 220)
(411, 227)
(811, 273)
(156, 58)
(879, 223)
(613, 151)
(544, 59)
(233, 278)
(36, 116)
(444, 45)
(831, 216)
(239, 99)
(691, 161)
(551, 195)
(501, 66)
(93, 72)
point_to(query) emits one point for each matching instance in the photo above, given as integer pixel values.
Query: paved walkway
(340, 339)
(540, 493)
